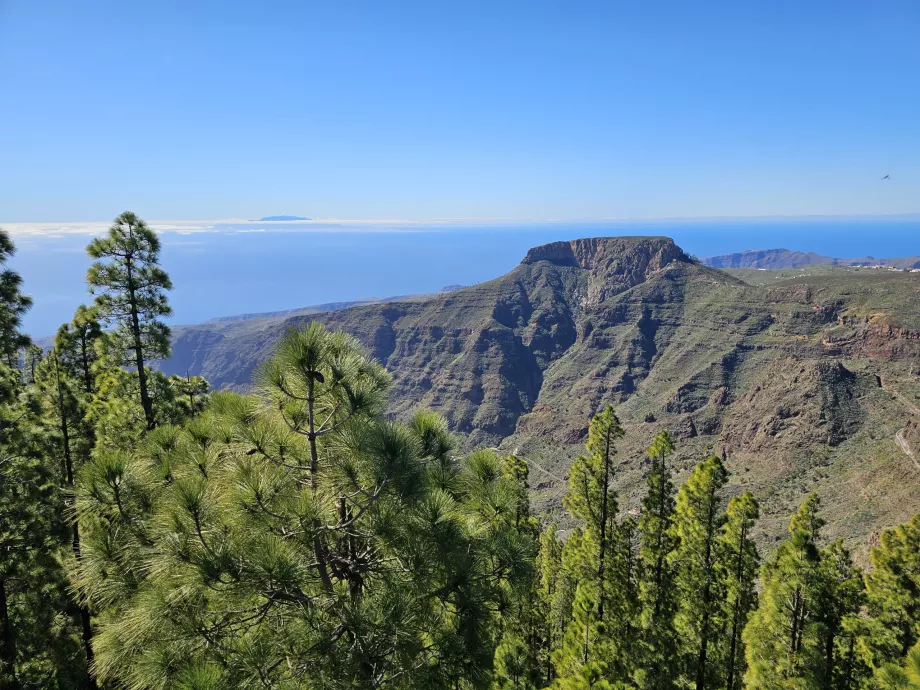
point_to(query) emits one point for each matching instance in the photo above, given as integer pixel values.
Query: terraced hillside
(805, 383)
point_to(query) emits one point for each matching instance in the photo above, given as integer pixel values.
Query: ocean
(255, 267)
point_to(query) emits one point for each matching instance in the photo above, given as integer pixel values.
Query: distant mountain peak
(767, 258)
(776, 259)
(613, 264)
(602, 253)
(273, 218)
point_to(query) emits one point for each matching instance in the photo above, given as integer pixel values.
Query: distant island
(269, 218)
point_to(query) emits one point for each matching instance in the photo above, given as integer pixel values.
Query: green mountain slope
(804, 383)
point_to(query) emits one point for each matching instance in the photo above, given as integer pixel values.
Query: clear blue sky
(458, 109)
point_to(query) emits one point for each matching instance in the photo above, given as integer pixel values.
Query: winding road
(899, 437)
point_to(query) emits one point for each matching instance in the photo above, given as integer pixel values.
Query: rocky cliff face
(783, 380)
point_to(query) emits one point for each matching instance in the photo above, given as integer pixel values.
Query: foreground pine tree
(906, 676)
(781, 637)
(739, 563)
(298, 539)
(39, 646)
(700, 590)
(893, 595)
(659, 669)
(592, 647)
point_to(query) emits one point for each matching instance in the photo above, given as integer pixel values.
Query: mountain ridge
(776, 259)
(782, 379)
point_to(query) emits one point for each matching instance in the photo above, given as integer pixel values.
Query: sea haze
(245, 268)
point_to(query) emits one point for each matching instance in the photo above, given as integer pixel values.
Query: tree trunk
(707, 592)
(736, 612)
(85, 620)
(603, 535)
(146, 403)
(659, 561)
(319, 548)
(829, 657)
(84, 361)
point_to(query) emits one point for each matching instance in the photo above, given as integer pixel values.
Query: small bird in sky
(887, 177)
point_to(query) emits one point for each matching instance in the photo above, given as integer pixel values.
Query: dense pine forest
(156, 534)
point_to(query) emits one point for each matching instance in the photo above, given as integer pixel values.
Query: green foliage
(549, 620)
(893, 595)
(901, 677)
(297, 539)
(131, 296)
(803, 632)
(739, 563)
(13, 304)
(38, 641)
(75, 343)
(604, 592)
(659, 669)
(695, 561)
(838, 622)
(515, 665)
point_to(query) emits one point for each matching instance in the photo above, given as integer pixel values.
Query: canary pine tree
(519, 624)
(700, 591)
(739, 563)
(549, 579)
(781, 637)
(75, 343)
(659, 667)
(893, 595)
(296, 538)
(903, 676)
(13, 304)
(837, 665)
(592, 501)
(69, 441)
(38, 641)
(131, 296)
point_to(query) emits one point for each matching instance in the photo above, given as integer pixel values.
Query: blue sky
(467, 109)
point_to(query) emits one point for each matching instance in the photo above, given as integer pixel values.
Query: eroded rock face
(613, 264)
(797, 403)
(525, 360)
(872, 336)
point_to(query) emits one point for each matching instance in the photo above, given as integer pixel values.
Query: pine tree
(697, 523)
(592, 500)
(13, 304)
(75, 343)
(781, 637)
(70, 441)
(32, 356)
(515, 666)
(549, 580)
(131, 289)
(893, 595)
(837, 618)
(659, 669)
(623, 619)
(583, 659)
(296, 538)
(37, 641)
(893, 676)
(739, 563)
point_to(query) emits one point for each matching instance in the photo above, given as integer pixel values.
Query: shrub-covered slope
(803, 383)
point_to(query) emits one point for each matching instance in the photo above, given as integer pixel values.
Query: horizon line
(187, 226)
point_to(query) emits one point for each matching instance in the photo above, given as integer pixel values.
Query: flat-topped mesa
(615, 264)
